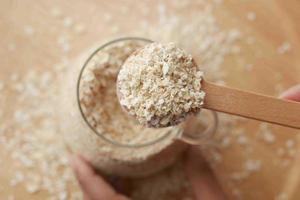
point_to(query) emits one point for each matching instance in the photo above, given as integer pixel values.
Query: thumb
(93, 185)
(292, 94)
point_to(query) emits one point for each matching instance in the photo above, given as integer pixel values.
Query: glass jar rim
(107, 139)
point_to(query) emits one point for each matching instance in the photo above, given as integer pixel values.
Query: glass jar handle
(191, 133)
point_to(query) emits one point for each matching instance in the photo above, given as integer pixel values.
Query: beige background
(276, 22)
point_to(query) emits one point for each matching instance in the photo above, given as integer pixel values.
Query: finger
(202, 179)
(292, 93)
(91, 183)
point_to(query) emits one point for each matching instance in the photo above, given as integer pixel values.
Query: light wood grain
(251, 105)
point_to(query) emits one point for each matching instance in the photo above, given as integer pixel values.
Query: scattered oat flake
(290, 143)
(14, 77)
(265, 133)
(115, 29)
(28, 30)
(268, 136)
(64, 43)
(284, 48)
(252, 165)
(226, 141)
(251, 16)
(28, 144)
(68, 22)
(239, 176)
(66, 47)
(56, 12)
(217, 157)
(249, 67)
(32, 188)
(79, 28)
(242, 139)
(107, 17)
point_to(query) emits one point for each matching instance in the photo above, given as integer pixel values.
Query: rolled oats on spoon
(160, 86)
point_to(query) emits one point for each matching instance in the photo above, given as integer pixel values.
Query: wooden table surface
(29, 36)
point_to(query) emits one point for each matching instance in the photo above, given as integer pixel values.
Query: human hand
(292, 94)
(93, 186)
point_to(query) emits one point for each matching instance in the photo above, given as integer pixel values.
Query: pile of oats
(99, 101)
(160, 85)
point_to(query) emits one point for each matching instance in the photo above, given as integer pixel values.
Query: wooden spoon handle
(251, 105)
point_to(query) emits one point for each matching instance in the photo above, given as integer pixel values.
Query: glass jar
(94, 125)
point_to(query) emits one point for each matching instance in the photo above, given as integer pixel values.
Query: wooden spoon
(251, 105)
(218, 98)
